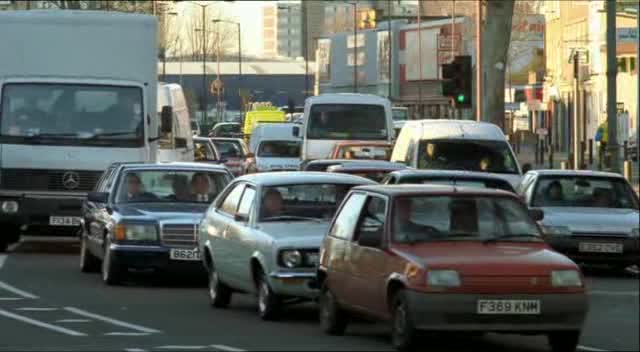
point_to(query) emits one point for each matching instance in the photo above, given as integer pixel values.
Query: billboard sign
(526, 50)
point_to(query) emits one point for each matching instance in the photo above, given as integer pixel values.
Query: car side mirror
(295, 131)
(536, 214)
(241, 217)
(166, 119)
(98, 197)
(371, 239)
(526, 168)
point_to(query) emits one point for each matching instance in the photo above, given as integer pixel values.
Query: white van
(331, 118)
(457, 145)
(276, 147)
(178, 144)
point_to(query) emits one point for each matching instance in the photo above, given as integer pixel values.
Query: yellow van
(254, 117)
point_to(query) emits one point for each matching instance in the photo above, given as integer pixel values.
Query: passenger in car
(554, 194)
(135, 189)
(272, 204)
(200, 187)
(601, 198)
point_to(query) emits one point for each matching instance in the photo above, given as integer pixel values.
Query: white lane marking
(41, 324)
(112, 321)
(134, 350)
(73, 321)
(614, 293)
(179, 347)
(37, 309)
(10, 298)
(5, 286)
(127, 334)
(590, 349)
(3, 257)
(227, 348)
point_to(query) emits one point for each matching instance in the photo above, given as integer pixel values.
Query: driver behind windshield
(27, 117)
(272, 204)
(135, 189)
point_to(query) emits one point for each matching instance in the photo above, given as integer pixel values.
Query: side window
(408, 157)
(528, 179)
(247, 201)
(230, 202)
(348, 217)
(373, 218)
(388, 180)
(102, 182)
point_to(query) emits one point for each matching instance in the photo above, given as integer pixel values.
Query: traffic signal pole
(612, 72)
(479, 60)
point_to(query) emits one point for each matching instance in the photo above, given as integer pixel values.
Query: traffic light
(456, 82)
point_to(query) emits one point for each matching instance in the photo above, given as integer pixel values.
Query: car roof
(554, 172)
(347, 98)
(176, 166)
(386, 166)
(226, 123)
(352, 143)
(406, 190)
(456, 129)
(226, 139)
(293, 177)
(444, 173)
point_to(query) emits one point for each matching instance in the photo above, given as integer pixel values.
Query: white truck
(77, 93)
(176, 145)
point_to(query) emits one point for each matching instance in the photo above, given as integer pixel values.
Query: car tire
(403, 332)
(564, 341)
(268, 302)
(219, 293)
(111, 271)
(88, 262)
(333, 319)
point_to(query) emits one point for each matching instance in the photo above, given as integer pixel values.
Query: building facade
(283, 34)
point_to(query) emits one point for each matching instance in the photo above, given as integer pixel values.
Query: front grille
(507, 284)
(49, 180)
(183, 236)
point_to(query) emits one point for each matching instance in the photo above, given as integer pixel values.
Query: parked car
(235, 152)
(448, 177)
(375, 170)
(590, 216)
(145, 216)
(205, 151)
(445, 258)
(457, 145)
(362, 150)
(226, 129)
(263, 233)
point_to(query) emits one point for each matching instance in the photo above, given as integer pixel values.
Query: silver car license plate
(594, 247)
(508, 306)
(64, 220)
(184, 254)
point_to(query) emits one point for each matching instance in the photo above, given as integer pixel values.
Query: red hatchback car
(444, 258)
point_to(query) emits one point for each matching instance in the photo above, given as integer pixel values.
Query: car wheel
(403, 333)
(219, 293)
(333, 319)
(88, 262)
(111, 271)
(565, 341)
(268, 302)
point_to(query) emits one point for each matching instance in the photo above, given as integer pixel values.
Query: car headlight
(635, 232)
(136, 232)
(566, 278)
(9, 207)
(443, 278)
(291, 258)
(556, 230)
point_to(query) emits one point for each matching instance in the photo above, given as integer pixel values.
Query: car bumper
(570, 246)
(294, 284)
(36, 209)
(456, 312)
(152, 257)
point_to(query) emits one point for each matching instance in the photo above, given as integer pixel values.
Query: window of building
(632, 64)
(622, 64)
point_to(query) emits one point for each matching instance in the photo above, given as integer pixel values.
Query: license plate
(184, 254)
(509, 306)
(600, 247)
(64, 220)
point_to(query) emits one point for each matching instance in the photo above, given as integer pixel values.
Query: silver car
(590, 216)
(263, 233)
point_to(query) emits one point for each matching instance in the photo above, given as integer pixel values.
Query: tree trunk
(496, 37)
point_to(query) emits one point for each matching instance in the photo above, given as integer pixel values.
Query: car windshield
(72, 114)
(365, 152)
(279, 149)
(169, 186)
(462, 182)
(437, 218)
(469, 155)
(302, 201)
(584, 191)
(347, 122)
(229, 149)
(400, 115)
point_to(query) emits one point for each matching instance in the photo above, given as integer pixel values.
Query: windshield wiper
(110, 134)
(291, 217)
(510, 235)
(47, 135)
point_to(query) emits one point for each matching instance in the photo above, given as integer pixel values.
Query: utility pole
(638, 87)
(305, 33)
(204, 64)
(420, 110)
(355, 46)
(612, 71)
(577, 136)
(479, 80)
(453, 43)
(389, 18)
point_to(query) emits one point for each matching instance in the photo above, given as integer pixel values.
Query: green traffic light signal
(461, 98)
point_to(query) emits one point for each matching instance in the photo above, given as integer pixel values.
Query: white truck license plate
(64, 220)
(600, 247)
(184, 254)
(508, 306)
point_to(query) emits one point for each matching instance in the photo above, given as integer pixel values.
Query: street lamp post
(355, 46)
(204, 55)
(164, 43)
(239, 51)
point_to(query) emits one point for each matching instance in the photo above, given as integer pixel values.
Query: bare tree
(108, 5)
(219, 36)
